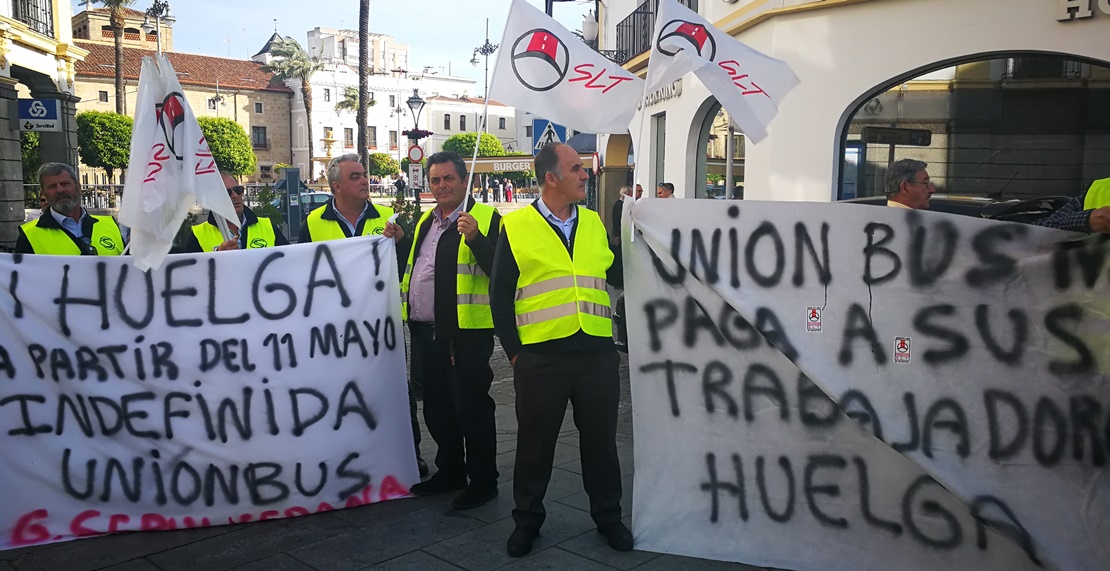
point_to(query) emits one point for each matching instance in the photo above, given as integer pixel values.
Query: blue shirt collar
(551, 215)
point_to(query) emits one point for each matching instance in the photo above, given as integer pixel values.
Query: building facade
(37, 60)
(214, 87)
(449, 109)
(1014, 94)
(95, 25)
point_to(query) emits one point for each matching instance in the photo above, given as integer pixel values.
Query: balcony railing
(37, 14)
(636, 32)
(1042, 68)
(261, 144)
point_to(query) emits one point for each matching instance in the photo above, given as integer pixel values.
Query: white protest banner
(544, 69)
(172, 167)
(970, 360)
(223, 388)
(748, 83)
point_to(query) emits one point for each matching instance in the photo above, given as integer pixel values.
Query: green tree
(230, 145)
(104, 140)
(349, 102)
(292, 62)
(116, 11)
(32, 158)
(382, 165)
(463, 144)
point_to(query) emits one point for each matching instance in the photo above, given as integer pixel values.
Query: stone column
(11, 168)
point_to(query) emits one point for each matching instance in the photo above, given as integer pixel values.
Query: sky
(439, 32)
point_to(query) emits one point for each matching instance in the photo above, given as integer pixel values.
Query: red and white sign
(548, 71)
(416, 153)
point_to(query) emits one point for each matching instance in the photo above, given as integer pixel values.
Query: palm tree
(290, 61)
(350, 100)
(363, 82)
(116, 11)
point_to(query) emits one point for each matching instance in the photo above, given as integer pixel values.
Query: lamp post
(486, 50)
(160, 12)
(396, 112)
(416, 104)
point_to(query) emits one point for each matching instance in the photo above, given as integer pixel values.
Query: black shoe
(437, 485)
(520, 542)
(617, 535)
(474, 497)
(422, 466)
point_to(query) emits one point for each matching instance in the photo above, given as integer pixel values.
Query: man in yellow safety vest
(249, 230)
(65, 228)
(1088, 212)
(551, 311)
(445, 295)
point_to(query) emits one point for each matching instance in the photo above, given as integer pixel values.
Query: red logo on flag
(171, 115)
(698, 36)
(540, 59)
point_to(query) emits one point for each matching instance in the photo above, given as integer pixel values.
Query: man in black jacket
(445, 294)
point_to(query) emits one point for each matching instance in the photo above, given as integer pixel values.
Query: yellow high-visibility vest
(321, 230)
(472, 284)
(259, 235)
(106, 238)
(557, 294)
(1098, 195)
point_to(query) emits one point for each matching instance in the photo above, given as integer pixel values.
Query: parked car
(1025, 211)
(308, 201)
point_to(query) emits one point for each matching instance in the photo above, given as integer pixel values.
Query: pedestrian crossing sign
(544, 132)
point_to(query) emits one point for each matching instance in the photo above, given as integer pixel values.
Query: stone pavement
(414, 533)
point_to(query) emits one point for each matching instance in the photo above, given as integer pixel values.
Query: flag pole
(485, 126)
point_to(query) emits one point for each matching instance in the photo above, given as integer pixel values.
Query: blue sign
(544, 132)
(39, 115)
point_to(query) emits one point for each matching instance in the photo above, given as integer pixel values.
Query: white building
(450, 115)
(1013, 93)
(450, 107)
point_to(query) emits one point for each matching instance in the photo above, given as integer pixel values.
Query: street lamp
(486, 50)
(416, 104)
(160, 11)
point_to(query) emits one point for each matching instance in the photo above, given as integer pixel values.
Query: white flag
(171, 167)
(748, 83)
(544, 69)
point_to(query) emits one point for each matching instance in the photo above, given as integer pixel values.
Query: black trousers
(458, 410)
(544, 383)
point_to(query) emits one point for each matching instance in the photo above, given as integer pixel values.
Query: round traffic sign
(416, 154)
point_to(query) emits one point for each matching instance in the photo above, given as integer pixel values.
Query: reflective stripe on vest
(471, 283)
(259, 235)
(106, 238)
(320, 230)
(557, 294)
(1098, 195)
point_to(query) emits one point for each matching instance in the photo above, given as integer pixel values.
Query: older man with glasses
(249, 230)
(908, 185)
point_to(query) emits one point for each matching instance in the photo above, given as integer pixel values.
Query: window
(527, 130)
(462, 122)
(392, 101)
(103, 96)
(501, 123)
(372, 137)
(258, 107)
(258, 137)
(348, 137)
(327, 132)
(211, 103)
(266, 172)
(393, 140)
(446, 121)
(327, 94)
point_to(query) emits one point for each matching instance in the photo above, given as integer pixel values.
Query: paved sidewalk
(415, 533)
